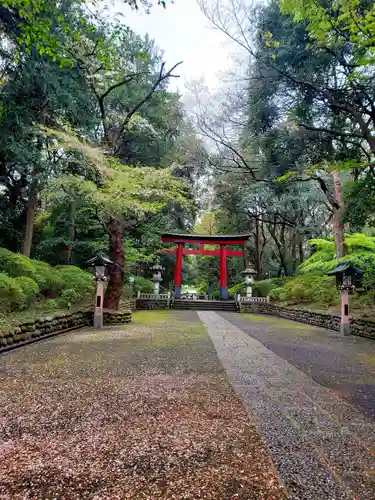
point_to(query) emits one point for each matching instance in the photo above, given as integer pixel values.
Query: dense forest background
(98, 154)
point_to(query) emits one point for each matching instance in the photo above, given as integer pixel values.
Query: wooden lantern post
(346, 275)
(99, 265)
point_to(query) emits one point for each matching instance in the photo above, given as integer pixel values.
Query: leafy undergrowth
(361, 306)
(136, 413)
(319, 293)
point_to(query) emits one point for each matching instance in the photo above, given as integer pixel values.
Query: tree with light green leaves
(334, 23)
(42, 24)
(125, 196)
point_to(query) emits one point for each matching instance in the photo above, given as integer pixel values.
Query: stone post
(249, 288)
(345, 319)
(98, 313)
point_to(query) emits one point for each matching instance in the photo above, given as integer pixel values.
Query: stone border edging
(38, 339)
(360, 327)
(30, 332)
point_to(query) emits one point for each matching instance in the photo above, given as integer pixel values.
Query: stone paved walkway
(344, 364)
(323, 447)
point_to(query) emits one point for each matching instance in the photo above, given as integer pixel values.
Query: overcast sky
(184, 34)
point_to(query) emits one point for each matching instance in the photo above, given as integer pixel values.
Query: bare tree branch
(160, 78)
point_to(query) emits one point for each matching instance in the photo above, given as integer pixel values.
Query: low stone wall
(117, 317)
(32, 331)
(43, 327)
(145, 304)
(130, 304)
(361, 327)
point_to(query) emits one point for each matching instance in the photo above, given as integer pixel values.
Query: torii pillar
(223, 273)
(178, 271)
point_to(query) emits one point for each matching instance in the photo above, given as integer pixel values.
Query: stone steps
(205, 305)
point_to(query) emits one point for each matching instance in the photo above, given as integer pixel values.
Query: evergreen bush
(311, 288)
(262, 288)
(360, 253)
(49, 279)
(143, 285)
(76, 279)
(11, 294)
(369, 281)
(69, 297)
(22, 279)
(234, 290)
(15, 264)
(30, 288)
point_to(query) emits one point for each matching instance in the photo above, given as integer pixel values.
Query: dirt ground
(143, 411)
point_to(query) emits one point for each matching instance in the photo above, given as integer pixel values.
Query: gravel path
(143, 411)
(344, 364)
(322, 446)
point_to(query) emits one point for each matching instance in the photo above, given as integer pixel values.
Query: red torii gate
(223, 252)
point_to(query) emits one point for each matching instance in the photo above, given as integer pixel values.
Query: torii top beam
(207, 239)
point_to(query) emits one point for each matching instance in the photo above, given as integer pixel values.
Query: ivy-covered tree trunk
(115, 230)
(338, 211)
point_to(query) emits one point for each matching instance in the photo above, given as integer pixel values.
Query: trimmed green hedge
(23, 281)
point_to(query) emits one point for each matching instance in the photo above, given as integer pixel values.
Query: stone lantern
(131, 283)
(157, 270)
(346, 275)
(99, 264)
(249, 274)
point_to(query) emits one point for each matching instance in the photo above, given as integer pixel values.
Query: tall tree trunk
(294, 248)
(244, 251)
(301, 252)
(29, 227)
(338, 212)
(258, 247)
(71, 231)
(116, 231)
